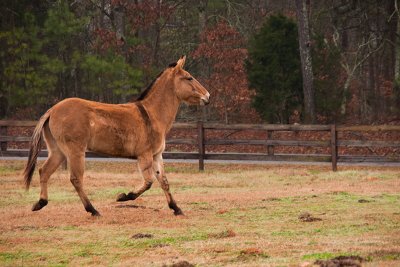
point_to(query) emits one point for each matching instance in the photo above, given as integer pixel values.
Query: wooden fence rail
(202, 141)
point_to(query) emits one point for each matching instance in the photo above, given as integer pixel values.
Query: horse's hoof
(39, 205)
(126, 197)
(95, 213)
(92, 210)
(178, 212)
(122, 197)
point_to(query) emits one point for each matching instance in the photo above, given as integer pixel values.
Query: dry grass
(236, 215)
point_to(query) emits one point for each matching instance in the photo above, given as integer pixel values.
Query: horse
(131, 130)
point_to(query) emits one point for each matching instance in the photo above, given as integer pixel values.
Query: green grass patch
(166, 240)
(385, 255)
(89, 249)
(19, 256)
(319, 256)
(107, 193)
(10, 168)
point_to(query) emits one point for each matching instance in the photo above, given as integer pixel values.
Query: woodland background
(109, 50)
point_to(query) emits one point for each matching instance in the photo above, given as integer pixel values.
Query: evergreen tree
(327, 79)
(48, 55)
(84, 72)
(273, 70)
(27, 77)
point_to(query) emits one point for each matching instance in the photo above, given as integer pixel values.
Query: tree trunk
(346, 88)
(202, 15)
(157, 35)
(397, 51)
(119, 22)
(202, 25)
(305, 55)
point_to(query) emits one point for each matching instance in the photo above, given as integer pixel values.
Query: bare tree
(364, 33)
(306, 64)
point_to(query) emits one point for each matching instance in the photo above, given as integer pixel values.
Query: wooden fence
(330, 145)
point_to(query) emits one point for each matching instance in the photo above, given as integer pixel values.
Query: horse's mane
(150, 86)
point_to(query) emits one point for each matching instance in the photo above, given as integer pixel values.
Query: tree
(223, 48)
(365, 34)
(273, 70)
(51, 54)
(328, 79)
(306, 61)
(106, 50)
(28, 77)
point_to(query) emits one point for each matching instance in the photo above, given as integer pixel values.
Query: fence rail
(202, 141)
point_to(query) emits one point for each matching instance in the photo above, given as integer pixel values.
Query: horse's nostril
(205, 100)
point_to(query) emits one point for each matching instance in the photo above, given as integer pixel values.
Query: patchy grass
(236, 215)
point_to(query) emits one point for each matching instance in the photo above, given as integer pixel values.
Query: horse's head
(187, 88)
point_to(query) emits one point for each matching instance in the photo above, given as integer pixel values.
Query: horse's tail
(35, 147)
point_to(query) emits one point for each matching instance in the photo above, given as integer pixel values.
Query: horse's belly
(112, 141)
(115, 148)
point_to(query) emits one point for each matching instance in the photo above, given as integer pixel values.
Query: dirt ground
(235, 215)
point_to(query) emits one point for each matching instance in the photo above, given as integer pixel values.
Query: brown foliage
(223, 48)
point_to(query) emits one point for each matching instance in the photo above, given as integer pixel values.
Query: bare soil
(341, 261)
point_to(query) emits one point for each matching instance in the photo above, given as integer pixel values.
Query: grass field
(235, 215)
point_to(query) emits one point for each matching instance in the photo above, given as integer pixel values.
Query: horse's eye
(189, 78)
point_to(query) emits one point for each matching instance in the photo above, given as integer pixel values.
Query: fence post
(200, 142)
(334, 152)
(270, 148)
(3, 132)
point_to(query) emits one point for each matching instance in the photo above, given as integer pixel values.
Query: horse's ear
(181, 62)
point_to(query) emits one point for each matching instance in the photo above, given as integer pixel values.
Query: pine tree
(273, 70)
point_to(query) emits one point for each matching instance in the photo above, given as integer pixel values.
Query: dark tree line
(108, 50)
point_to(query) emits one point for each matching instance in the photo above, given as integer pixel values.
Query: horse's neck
(162, 106)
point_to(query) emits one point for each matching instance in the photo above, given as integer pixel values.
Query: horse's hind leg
(76, 162)
(49, 167)
(56, 157)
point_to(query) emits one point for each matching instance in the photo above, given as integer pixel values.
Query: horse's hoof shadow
(130, 206)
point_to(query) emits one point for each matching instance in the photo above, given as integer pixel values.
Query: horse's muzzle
(205, 100)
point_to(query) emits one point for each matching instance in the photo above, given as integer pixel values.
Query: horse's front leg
(158, 167)
(145, 164)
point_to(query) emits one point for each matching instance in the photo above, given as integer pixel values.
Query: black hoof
(178, 212)
(39, 205)
(95, 213)
(125, 197)
(92, 210)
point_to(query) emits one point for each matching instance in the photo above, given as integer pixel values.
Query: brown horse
(132, 130)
